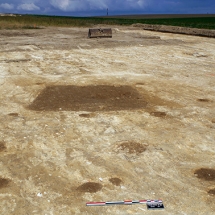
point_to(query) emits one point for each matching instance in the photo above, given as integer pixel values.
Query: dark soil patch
(158, 114)
(205, 174)
(17, 60)
(4, 182)
(85, 115)
(115, 181)
(203, 100)
(13, 114)
(90, 187)
(140, 84)
(213, 120)
(148, 37)
(211, 192)
(132, 147)
(2, 146)
(88, 98)
(14, 33)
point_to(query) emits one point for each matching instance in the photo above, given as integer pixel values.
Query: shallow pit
(86, 115)
(88, 98)
(203, 100)
(115, 181)
(205, 174)
(13, 114)
(2, 146)
(4, 182)
(132, 147)
(90, 187)
(158, 114)
(212, 192)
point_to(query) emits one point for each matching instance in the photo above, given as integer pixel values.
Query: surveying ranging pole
(107, 11)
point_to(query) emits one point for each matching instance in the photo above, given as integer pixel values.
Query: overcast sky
(99, 7)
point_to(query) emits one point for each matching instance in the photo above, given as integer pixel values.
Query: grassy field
(36, 21)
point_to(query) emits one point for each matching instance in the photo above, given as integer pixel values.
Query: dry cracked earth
(128, 117)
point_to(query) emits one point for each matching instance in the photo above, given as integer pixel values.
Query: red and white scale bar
(127, 202)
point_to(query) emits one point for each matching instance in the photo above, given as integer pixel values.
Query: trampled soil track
(177, 30)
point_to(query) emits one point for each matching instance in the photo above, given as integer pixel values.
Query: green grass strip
(36, 21)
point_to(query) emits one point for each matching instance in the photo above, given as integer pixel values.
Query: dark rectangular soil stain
(88, 98)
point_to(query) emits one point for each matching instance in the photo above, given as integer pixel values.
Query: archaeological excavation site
(108, 115)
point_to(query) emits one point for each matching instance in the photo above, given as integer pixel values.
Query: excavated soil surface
(109, 119)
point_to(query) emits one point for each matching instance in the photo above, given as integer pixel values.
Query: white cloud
(28, 7)
(85, 5)
(7, 6)
(142, 3)
(78, 5)
(67, 5)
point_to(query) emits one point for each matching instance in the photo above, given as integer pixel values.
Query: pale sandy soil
(132, 117)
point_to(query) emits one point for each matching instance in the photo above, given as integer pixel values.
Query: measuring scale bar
(127, 202)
